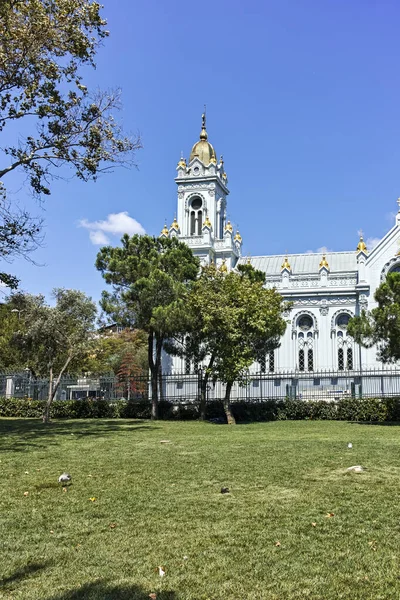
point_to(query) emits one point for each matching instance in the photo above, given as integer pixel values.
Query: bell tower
(202, 203)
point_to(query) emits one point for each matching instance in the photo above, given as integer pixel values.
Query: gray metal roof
(339, 262)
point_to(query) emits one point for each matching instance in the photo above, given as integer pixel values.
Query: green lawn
(160, 504)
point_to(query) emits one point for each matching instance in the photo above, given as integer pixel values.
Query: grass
(160, 504)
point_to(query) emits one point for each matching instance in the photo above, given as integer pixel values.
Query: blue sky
(302, 100)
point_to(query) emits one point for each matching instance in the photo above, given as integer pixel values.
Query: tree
(381, 326)
(149, 277)
(110, 350)
(55, 336)
(10, 324)
(43, 46)
(231, 321)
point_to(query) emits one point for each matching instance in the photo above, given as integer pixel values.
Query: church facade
(326, 289)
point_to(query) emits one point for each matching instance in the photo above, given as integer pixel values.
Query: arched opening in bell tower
(196, 216)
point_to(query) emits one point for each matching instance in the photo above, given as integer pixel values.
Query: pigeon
(350, 445)
(224, 490)
(65, 478)
(356, 469)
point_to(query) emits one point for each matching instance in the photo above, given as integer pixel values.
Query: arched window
(344, 343)
(196, 216)
(304, 330)
(301, 359)
(271, 361)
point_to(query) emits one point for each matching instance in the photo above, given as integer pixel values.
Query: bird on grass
(224, 490)
(356, 469)
(350, 445)
(65, 478)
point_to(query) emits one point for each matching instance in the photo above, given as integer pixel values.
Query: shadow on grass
(102, 590)
(23, 572)
(383, 423)
(21, 434)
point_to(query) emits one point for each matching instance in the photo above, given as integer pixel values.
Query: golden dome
(164, 230)
(324, 262)
(286, 264)
(228, 227)
(202, 149)
(238, 237)
(207, 222)
(362, 247)
(174, 224)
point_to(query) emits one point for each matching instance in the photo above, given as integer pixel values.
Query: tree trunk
(153, 376)
(53, 389)
(160, 383)
(229, 416)
(203, 389)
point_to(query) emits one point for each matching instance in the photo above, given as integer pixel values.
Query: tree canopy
(230, 321)
(61, 123)
(53, 337)
(381, 326)
(149, 277)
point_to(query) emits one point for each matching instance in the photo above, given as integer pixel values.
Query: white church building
(326, 289)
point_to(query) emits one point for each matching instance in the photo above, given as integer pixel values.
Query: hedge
(346, 409)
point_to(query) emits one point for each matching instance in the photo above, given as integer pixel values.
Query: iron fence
(183, 388)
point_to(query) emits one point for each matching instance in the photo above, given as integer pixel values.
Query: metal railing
(183, 388)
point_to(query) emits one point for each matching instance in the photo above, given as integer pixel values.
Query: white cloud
(323, 250)
(115, 224)
(372, 242)
(98, 238)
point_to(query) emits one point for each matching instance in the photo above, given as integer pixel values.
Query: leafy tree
(149, 277)
(44, 44)
(381, 326)
(10, 324)
(110, 350)
(231, 321)
(55, 336)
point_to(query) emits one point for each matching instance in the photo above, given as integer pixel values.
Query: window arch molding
(341, 311)
(393, 262)
(303, 313)
(191, 197)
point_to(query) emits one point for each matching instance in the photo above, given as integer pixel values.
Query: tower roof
(202, 149)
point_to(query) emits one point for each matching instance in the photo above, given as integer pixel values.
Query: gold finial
(164, 230)
(223, 268)
(203, 133)
(248, 260)
(182, 162)
(174, 224)
(324, 262)
(286, 264)
(207, 222)
(224, 175)
(238, 237)
(362, 247)
(228, 227)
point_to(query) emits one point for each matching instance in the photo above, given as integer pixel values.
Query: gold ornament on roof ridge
(238, 237)
(228, 227)
(182, 163)
(165, 230)
(174, 224)
(207, 222)
(223, 268)
(362, 247)
(324, 262)
(286, 264)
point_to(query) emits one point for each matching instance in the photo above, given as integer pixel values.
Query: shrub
(346, 409)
